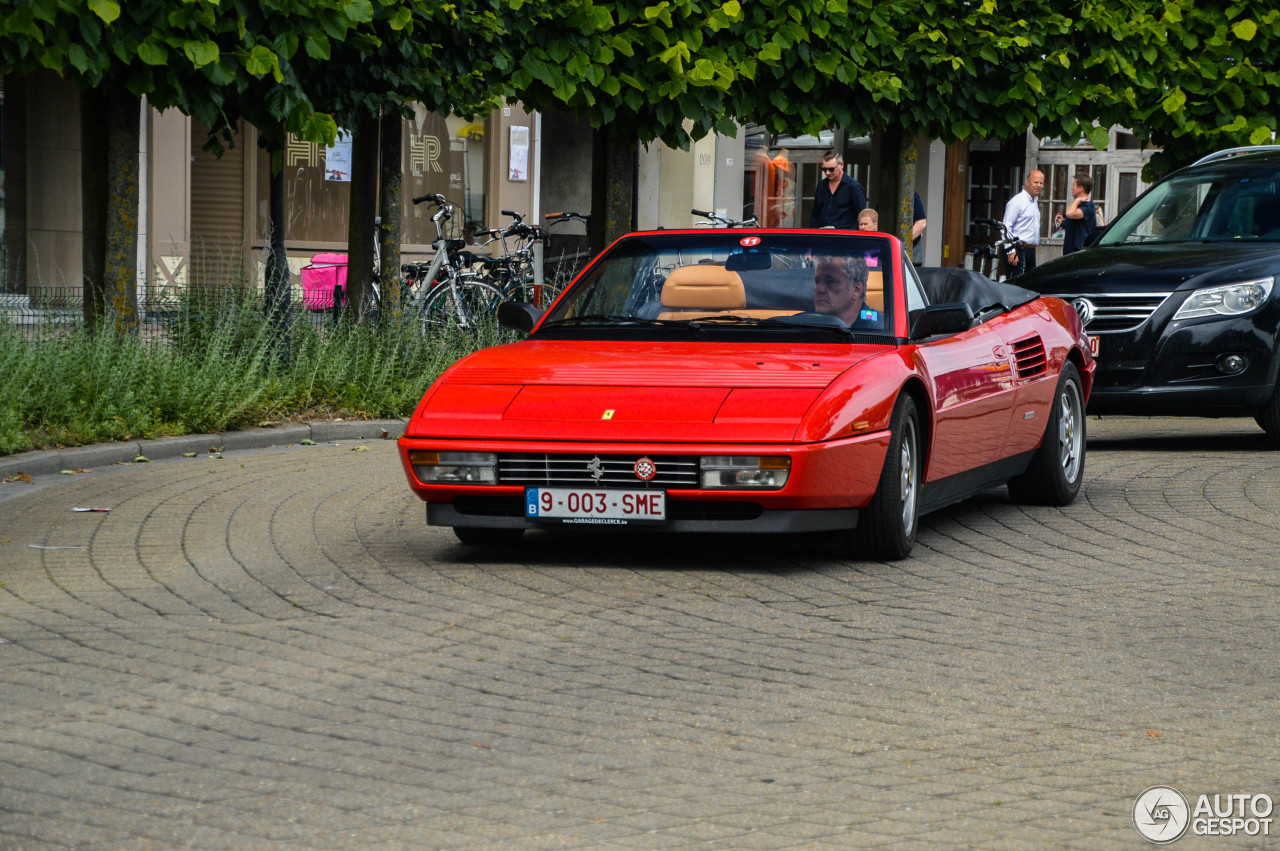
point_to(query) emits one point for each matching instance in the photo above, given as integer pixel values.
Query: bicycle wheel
(466, 304)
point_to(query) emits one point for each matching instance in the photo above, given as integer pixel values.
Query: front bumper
(753, 520)
(1172, 368)
(827, 485)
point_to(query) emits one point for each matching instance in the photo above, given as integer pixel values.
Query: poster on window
(337, 159)
(519, 164)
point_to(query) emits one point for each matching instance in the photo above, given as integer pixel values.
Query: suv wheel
(1269, 418)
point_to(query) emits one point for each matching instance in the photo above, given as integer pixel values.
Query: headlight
(745, 472)
(459, 468)
(1232, 300)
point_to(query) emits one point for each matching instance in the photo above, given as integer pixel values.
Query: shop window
(1126, 189)
(437, 158)
(780, 174)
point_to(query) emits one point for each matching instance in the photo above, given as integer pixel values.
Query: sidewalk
(44, 462)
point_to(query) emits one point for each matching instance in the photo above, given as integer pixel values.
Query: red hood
(680, 392)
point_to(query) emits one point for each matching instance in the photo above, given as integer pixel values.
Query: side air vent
(1030, 357)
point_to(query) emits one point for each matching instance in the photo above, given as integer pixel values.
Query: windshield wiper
(820, 322)
(594, 319)
(613, 320)
(726, 318)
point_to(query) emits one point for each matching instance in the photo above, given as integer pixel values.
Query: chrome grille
(1114, 313)
(618, 471)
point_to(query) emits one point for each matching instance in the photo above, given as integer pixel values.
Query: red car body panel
(826, 406)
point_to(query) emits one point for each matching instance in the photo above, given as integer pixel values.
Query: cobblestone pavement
(272, 650)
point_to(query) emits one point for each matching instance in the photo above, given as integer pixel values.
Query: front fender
(860, 400)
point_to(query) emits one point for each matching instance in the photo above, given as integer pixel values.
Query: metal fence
(48, 308)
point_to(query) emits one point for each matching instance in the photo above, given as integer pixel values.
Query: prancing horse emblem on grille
(596, 468)
(1085, 308)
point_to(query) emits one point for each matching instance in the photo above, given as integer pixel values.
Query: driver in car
(839, 289)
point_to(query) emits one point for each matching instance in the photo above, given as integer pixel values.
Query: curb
(43, 462)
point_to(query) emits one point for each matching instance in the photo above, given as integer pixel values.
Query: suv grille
(618, 471)
(1114, 313)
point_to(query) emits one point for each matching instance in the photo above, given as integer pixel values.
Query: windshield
(1233, 202)
(731, 278)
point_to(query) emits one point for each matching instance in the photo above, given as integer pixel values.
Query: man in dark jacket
(839, 198)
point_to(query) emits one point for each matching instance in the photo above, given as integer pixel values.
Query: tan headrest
(703, 287)
(874, 298)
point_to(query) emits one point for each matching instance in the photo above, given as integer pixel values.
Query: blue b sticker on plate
(531, 502)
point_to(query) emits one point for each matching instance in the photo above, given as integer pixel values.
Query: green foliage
(1188, 76)
(212, 368)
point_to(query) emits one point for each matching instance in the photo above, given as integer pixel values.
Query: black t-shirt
(1074, 231)
(839, 209)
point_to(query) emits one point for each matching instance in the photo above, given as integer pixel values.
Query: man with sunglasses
(839, 197)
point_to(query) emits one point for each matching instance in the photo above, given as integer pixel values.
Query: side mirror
(518, 315)
(942, 319)
(1092, 239)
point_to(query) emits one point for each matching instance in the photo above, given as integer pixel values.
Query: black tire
(1269, 419)
(886, 528)
(481, 536)
(1057, 468)
(470, 305)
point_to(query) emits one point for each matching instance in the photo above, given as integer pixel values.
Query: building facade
(204, 218)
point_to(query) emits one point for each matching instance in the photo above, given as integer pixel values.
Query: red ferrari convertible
(756, 381)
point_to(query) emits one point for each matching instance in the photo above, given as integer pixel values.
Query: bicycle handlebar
(712, 218)
(566, 216)
(430, 196)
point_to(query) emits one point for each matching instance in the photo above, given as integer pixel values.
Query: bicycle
(715, 221)
(567, 265)
(991, 259)
(513, 271)
(443, 295)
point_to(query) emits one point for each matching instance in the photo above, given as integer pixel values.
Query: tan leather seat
(701, 290)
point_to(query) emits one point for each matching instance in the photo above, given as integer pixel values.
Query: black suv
(1179, 295)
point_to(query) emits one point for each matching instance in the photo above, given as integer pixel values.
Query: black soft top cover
(945, 285)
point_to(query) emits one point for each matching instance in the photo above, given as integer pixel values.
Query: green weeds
(211, 363)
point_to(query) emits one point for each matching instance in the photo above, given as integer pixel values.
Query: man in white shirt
(1022, 218)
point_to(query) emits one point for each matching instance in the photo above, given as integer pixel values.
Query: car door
(974, 393)
(973, 396)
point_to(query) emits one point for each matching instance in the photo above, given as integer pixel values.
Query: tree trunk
(94, 112)
(390, 204)
(882, 189)
(361, 211)
(908, 156)
(613, 186)
(278, 290)
(15, 186)
(120, 269)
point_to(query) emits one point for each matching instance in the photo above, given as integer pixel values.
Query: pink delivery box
(320, 276)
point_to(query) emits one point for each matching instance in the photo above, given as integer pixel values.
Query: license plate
(588, 507)
(1095, 344)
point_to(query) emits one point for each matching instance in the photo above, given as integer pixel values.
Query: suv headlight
(455, 468)
(745, 472)
(1231, 300)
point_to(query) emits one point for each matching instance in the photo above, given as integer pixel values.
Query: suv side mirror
(1092, 238)
(942, 319)
(518, 315)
